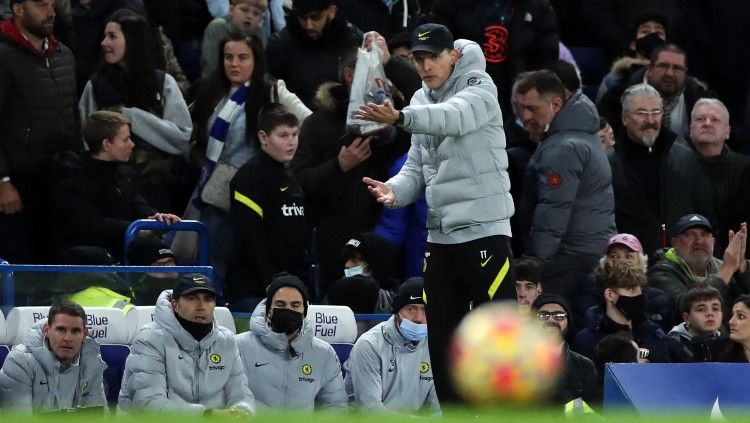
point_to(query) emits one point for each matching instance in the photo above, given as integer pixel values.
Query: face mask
(631, 307)
(286, 321)
(646, 45)
(414, 332)
(356, 270)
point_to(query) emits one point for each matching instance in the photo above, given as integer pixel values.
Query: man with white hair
(654, 180)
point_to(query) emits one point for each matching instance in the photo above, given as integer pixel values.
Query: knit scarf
(218, 133)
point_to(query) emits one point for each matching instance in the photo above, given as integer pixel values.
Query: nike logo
(484, 263)
(260, 364)
(415, 298)
(283, 189)
(423, 34)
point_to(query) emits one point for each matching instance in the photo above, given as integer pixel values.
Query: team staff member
(457, 158)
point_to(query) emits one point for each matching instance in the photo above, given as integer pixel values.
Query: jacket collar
(275, 341)
(10, 30)
(165, 317)
(394, 337)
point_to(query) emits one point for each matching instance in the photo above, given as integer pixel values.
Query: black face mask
(646, 45)
(632, 307)
(286, 321)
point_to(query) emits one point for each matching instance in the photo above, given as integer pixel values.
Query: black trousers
(457, 278)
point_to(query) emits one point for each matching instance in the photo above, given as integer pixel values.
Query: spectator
(690, 261)
(667, 73)
(699, 333)
(151, 251)
(267, 213)
(244, 16)
(157, 380)
(226, 121)
(128, 81)
(622, 309)
(360, 293)
(528, 281)
(313, 40)
(386, 17)
(617, 347)
(381, 372)
(739, 332)
(578, 377)
(96, 198)
(38, 120)
(516, 36)
(655, 181)
(400, 45)
(286, 366)
(461, 167)
(330, 169)
(606, 134)
(56, 367)
(567, 201)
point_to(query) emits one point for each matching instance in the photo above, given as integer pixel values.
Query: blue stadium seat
(114, 356)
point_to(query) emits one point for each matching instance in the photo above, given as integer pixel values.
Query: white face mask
(356, 270)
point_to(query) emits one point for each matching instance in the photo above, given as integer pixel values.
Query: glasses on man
(557, 315)
(645, 114)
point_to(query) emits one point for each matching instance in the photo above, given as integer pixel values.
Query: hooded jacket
(32, 379)
(457, 156)
(568, 194)
(304, 374)
(169, 371)
(386, 372)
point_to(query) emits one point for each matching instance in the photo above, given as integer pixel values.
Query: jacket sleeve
(463, 113)
(16, 382)
(332, 393)
(557, 181)
(96, 396)
(146, 373)
(365, 374)
(4, 93)
(170, 133)
(408, 184)
(86, 106)
(292, 102)
(237, 394)
(320, 177)
(547, 41)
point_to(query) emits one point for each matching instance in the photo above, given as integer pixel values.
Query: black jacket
(577, 380)
(271, 233)
(94, 201)
(303, 63)
(38, 104)
(374, 15)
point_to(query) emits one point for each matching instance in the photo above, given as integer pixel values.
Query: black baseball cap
(431, 37)
(691, 221)
(192, 282)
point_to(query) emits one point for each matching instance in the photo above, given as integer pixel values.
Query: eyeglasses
(557, 315)
(644, 114)
(667, 66)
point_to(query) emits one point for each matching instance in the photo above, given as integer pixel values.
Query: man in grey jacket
(568, 205)
(57, 367)
(183, 361)
(286, 366)
(389, 367)
(457, 159)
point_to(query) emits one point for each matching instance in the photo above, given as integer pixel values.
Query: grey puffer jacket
(457, 156)
(568, 201)
(303, 375)
(32, 379)
(169, 371)
(387, 372)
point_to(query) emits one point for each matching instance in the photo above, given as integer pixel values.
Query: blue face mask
(414, 332)
(356, 270)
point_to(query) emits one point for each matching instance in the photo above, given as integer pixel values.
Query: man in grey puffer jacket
(458, 160)
(568, 203)
(285, 365)
(183, 361)
(57, 367)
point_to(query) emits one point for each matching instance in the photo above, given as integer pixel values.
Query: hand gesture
(384, 113)
(733, 254)
(382, 192)
(355, 153)
(379, 40)
(10, 199)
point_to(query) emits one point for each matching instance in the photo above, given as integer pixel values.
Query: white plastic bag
(369, 86)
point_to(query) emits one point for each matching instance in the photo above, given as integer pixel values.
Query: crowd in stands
(595, 149)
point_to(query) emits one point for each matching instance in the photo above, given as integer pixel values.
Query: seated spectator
(95, 197)
(151, 251)
(622, 309)
(56, 367)
(702, 314)
(128, 81)
(617, 347)
(578, 377)
(244, 16)
(389, 367)
(360, 293)
(271, 232)
(400, 45)
(690, 261)
(370, 254)
(168, 369)
(739, 332)
(606, 133)
(528, 281)
(286, 366)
